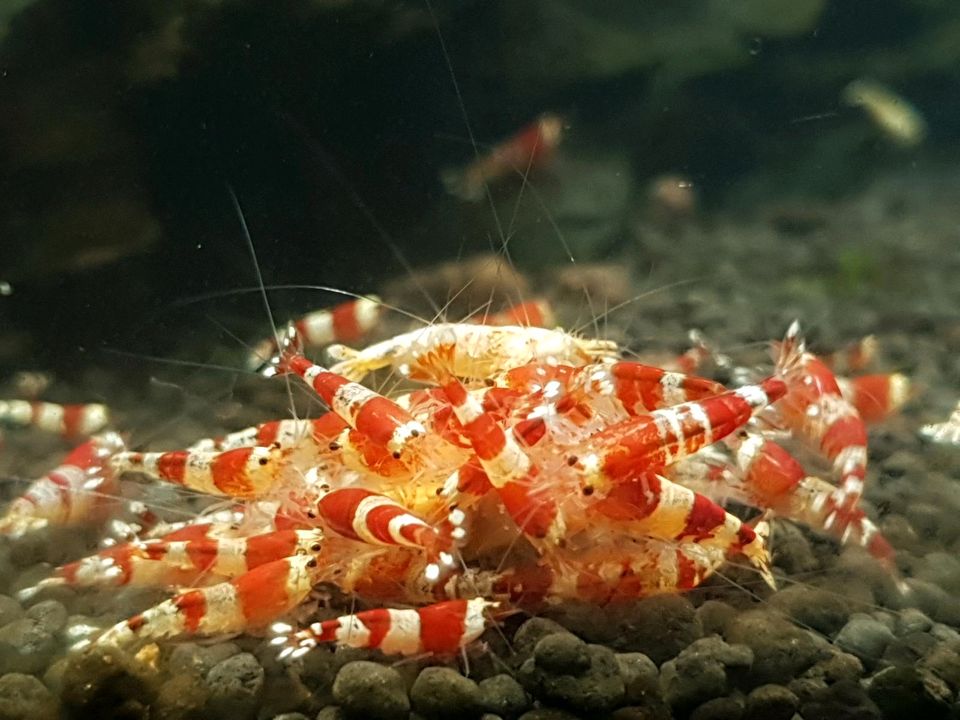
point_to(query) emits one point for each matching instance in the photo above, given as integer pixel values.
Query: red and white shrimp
(70, 421)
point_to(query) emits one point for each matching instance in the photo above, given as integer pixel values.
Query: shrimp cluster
(523, 466)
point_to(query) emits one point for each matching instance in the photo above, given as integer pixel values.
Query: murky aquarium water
(434, 359)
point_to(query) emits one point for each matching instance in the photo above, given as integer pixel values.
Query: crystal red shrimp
(245, 473)
(380, 419)
(533, 313)
(876, 397)
(76, 491)
(441, 629)
(253, 599)
(170, 562)
(378, 520)
(815, 409)
(347, 322)
(70, 421)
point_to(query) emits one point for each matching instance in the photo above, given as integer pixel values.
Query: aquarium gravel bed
(836, 640)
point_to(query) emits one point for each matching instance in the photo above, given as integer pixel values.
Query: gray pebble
(705, 670)
(792, 550)
(440, 692)
(290, 716)
(844, 700)
(721, 708)
(942, 569)
(50, 615)
(839, 666)
(944, 662)
(104, 682)
(770, 702)
(906, 692)
(236, 686)
(864, 637)
(811, 607)
(714, 616)
(562, 654)
(659, 627)
(912, 620)
(503, 695)
(781, 651)
(641, 678)
(598, 689)
(331, 712)
(199, 659)
(25, 647)
(548, 714)
(945, 633)
(23, 697)
(531, 632)
(10, 610)
(182, 697)
(366, 689)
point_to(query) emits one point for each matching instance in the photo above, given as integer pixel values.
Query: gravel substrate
(836, 641)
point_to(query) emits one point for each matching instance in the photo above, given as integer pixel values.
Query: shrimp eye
(415, 433)
(315, 547)
(334, 446)
(588, 490)
(396, 455)
(572, 460)
(263, 461)
(312, 563)
(311, 514)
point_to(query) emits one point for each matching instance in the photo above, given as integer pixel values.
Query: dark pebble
(781, 651)
(864, 636)
(503, 695)
(236, 687)
(707, 669)
(912, 620)
(942, 569)
(290, 716)
(10, 610)
(839, 666)
(199, 659)
(641, 679)
(331, 712)
(642, 712)
(659, 627)
(597, 689)
(820, 610)
(439, 693)
(25, 647)
(103, 682)
(532, 632)
(50, 615)
(562, 654)
(365, 689)
(792, 550)
(770, 702)
(548, 714)
(932, 599)
(182, 697)
(844, 700)
(721, 708)
(944, 662)
(909, 693)
(714, 616)
(23, 697)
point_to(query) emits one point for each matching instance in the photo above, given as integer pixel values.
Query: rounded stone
(912, 620)
(781, 651)
(503, 696)
(910, 692)
(865, 637)
(10, 610)
(770, 702)
(944, 662)
(367, 689)
(25, 647)
(23, 697)
(105, 682)
(641, 678)
(659, 627)
(825, 612)
(562, 654)
(236, 687)
(721, 708)
(50, 615)
(199, 659)
(531, 632)
(597, 690)
(714, 616)
(440, 692)
(704, 671)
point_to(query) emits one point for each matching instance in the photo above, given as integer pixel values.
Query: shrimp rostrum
(573, 472)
